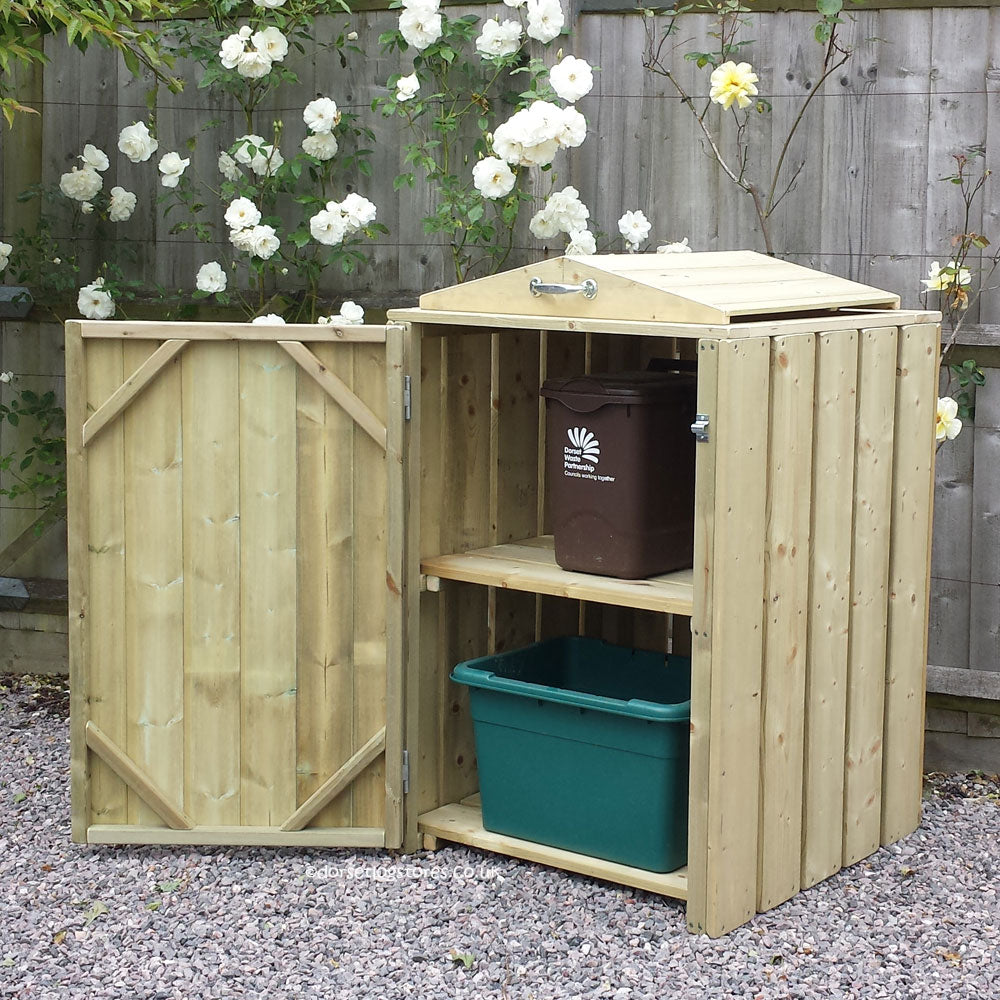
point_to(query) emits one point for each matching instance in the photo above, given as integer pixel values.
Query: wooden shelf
(463, 824)
(531, 566)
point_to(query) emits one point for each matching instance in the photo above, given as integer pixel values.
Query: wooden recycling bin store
(283, 538)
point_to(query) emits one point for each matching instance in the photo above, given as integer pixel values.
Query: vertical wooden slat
(105, 555)
(267, 583)
(736, 633)
(786, 562)
(79, 584)
(325, 606)
(909, 575)
(829, 604)
(154, 584)
(701, 642)
(464, 513)
(370, 585)
(211, 530)
(401, 578)
(514, 473)
(869, 579)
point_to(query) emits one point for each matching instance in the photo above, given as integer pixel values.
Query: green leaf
(466, 958)
(98, 909)
(19, 797)
(168, 885)
(155, 905)
(829, 8)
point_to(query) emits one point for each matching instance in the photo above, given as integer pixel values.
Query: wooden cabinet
(282, 539)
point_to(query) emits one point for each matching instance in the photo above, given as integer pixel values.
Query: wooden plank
(211, 532)
(155, 330)
(372, 579)
(131, 388)
(464, 825)
(829, 605)
(533, 568)
(909, 577)
(514, 461)
(701, 630)
(137, 779)
(337, 782)
(869, 590)
(325, 573)
(103, 539)
(402, 573)
(154, 581)
(336, 388)
(786, 567)
(267, 584)
(236, 836)
(79, 586)
(736, 630)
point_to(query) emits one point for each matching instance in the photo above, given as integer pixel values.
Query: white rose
(543, 226)
(420, 26)
(80, 185)
(6, 377)
(572, 79)
(232, 48)
(497, 40)
(572, 128)
(136, 142)
(242, 239)
(323, 146)
(6, 249)
(407, 87)
(245, 32)
(122, 205)
(211, 278)
(253, 64)
(566, 210)
(328, 227)
(242, 213)
(271, 319)
(95, 303)
(635, 227)
(264, 242)
(94, 158)
(272, 43)
(493, 178)
(270, 4)
(172, 166)
(681, 247)
(358, 211)
(581, 241)
(321, 115)
(514, 3)
(545, 19)
(87, 208)
(352, 36)
(228, 167)
(351, 313)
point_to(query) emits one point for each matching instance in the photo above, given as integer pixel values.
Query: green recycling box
(583, 745)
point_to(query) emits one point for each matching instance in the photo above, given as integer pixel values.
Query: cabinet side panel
(869, 590)
(701, 643)
(829, 604)
(737, 633)
(786, 561)
(909, 574)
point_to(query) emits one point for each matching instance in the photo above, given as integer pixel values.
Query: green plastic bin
(584, 745)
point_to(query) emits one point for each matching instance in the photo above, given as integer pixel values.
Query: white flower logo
(586, 441)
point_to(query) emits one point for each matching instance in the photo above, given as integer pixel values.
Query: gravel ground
(917, 920)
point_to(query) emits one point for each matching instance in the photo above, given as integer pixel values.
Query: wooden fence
(922, 84)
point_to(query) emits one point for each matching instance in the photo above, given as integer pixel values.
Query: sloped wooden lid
(669, 288)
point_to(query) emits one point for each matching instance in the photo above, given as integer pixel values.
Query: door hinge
(406, 767)
(700, 427)
(407, 408)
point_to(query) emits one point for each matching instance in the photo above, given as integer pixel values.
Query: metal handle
(538, 287)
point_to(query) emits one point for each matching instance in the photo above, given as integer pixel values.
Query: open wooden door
(236, 584)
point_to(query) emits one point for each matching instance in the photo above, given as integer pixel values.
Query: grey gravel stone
(920, 919)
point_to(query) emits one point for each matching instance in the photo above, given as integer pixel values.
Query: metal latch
(406, 771)
(407, 409)
(700, 427)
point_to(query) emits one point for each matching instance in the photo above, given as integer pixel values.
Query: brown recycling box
(620, 466)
